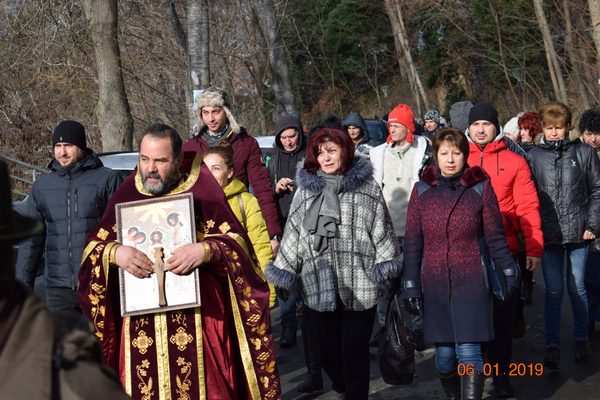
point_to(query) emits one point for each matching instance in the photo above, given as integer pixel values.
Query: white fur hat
(214, 97)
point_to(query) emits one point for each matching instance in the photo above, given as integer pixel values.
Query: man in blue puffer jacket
(70, 201)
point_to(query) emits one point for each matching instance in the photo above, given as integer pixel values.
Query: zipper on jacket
(69, 221)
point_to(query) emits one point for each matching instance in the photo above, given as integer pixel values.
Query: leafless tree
(195, 44)
(556, 75)
(405, 59)
(278, 66)
(112, 109)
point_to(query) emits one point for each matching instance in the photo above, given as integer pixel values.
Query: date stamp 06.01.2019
(514, 369)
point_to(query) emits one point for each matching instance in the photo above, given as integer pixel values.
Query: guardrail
(22, 183)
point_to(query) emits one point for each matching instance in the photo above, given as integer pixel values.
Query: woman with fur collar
(453, 221)
(338, 248)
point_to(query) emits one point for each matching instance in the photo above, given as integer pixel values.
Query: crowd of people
(452, 216)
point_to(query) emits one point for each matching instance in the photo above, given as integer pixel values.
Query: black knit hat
(70, 132)
(486, 112)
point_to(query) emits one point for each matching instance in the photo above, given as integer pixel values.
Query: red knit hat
(403, 114)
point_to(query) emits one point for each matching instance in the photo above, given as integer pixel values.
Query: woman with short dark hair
(453, 223)
(338, 247)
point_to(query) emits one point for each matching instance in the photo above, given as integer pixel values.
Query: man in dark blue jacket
(70, 201)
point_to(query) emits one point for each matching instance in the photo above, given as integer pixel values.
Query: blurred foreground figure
(41, 356)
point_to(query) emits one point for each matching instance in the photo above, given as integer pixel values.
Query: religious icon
(157, 227)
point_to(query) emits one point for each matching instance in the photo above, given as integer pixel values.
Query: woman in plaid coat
(338, 248)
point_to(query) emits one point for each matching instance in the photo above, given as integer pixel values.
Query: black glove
(283, 294)
(414, 305)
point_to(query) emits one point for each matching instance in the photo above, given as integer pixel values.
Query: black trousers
(342, 337)
(499, 350)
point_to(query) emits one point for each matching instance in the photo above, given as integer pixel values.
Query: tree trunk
(594, 6)
(280, 79)
(112, 110)
(501, 54)
(198, 37)
(558, 82)
(405, 59)
(575, 63)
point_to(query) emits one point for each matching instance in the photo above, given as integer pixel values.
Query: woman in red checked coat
(453, 216)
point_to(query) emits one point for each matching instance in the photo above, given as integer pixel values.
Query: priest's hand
(185, 258)
(133, 261)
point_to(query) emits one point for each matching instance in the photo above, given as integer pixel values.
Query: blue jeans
(553, 267)
(447, 355)
(592, 285)
(288, 310)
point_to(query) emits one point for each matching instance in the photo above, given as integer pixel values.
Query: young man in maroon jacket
(215, 126)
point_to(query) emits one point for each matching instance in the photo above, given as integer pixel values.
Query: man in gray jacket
(70, 201)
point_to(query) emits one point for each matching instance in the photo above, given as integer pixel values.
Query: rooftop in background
(120, 160)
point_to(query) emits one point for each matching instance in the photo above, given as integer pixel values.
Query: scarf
(323, 215)
(214, 138)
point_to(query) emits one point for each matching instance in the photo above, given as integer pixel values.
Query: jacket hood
(289, 121)
(90, 160)
(470, 176)
(355, 119)
(234, 188)
(459, 114)
(360, 172)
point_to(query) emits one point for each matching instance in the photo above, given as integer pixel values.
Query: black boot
(472, 386)
(288, 337)
(451, 384)
(313, 383)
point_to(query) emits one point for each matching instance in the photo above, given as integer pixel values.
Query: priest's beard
(165, 184)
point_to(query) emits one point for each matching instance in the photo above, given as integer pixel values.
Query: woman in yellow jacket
(219, 160)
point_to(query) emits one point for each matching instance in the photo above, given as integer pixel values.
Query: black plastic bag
(396, 351)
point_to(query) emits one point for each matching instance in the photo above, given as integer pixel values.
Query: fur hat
(403, 114)
(214, 97)
(13, 227)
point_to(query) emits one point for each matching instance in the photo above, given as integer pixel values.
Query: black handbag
(396, 352)
(495, 277)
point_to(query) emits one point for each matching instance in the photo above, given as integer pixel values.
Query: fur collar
(360, 171)
(470, 176)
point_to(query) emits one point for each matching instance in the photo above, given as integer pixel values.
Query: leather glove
(414, 305)
(283, 294)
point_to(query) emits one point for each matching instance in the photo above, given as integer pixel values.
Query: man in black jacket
(289, 150)
(70, 201)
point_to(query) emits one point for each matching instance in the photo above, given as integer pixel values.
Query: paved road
(573, 381)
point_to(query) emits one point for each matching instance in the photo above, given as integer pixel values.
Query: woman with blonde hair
(219, 160)
(567, 176)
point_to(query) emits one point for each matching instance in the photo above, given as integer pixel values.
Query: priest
(220, 350)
